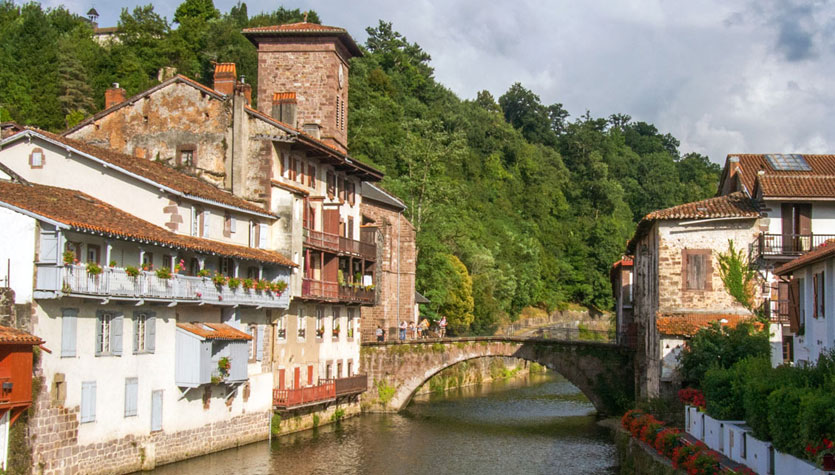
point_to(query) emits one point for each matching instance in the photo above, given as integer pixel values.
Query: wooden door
(297, 377)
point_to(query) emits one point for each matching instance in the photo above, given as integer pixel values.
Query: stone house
(621, 277)
(676, 282)
(796, 196)
(809, 301)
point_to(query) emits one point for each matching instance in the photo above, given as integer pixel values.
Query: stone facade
(396, 262)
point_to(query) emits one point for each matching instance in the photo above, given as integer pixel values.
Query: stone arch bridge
(602, 371)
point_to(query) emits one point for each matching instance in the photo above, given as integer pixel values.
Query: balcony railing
(787, 245)
(339, 244)
(114, 282)
(778, 311)
(293, 398)
(356, 294)
(320, 289)
(351, 385)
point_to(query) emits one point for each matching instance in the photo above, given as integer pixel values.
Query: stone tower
(311, 61)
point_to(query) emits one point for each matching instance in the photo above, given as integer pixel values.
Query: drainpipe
(399, 219)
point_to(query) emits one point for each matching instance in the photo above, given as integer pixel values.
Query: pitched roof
(214, 331)
(87, 214)
(734, 205)
(373, 192)
(825, 250)
(750, 165)
(13, 336)
(302, 29)
(419, 298)
(187, 185)
(687, 324)
(805, 186)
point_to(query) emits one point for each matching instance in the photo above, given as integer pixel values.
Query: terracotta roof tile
(85, 213)
(294, 27)
(687, 324)
(750, 165)
(225, 68)
(214, 331)
(290, 188)
(727, 206)
(13, 336)
(825, 250)
(157, 172)
(303, 29)
(805, 186)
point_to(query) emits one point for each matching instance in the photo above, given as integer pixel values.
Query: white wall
(823, 216)
(17, 248)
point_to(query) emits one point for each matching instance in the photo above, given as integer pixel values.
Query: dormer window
(36, 158)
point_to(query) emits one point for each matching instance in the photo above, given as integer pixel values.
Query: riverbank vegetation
(516, 203)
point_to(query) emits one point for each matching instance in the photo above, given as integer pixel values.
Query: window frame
(707, 255)
(40, 164)
(186, 149)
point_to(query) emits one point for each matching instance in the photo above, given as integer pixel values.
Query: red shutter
(331, 221)
(297, 377)
(281, 379)
(310, 375)
(794, 305)
(815, 294)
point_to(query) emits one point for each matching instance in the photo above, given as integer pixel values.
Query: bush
(683, 454)
(722, 346)
(816, 419)
(760, 380)
(723, 393)
(783, 418)
(667, 441)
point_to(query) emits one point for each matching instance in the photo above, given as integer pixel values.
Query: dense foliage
(534, 206)
(718, 346)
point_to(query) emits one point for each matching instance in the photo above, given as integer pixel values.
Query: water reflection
(539, 426)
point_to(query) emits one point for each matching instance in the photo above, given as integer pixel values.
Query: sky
(721, 76)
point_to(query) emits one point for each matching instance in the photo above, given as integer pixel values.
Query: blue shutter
(69, 324)
(135, 332)
(156, 410)
(99, 316)
(116, 335)
(206, 215)
(88, 401)
(131, 396)
(259, 343)
(150, 332)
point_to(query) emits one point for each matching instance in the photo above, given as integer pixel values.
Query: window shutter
(232, 225)
(262, 236)
(151, 332)
(206, 215)
(135, 332)
(99, 339)
(131, 396)
(815, 295)
(194, 221)
(794, 305)
(69, 323)
(259, 343)
(88, 401)
(822, 282)
(116, 335)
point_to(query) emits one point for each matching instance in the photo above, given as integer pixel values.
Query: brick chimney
(114, 95)
(246, 90)
(225, 77)
(284, 107)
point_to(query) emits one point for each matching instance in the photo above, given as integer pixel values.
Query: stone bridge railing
(602, 371)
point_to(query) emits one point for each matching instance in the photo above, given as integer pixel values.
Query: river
(541, 424)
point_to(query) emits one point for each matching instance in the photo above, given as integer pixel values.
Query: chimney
(312, 130)
(114, 95)
(225, 76)
(246, 90)
(284, 107)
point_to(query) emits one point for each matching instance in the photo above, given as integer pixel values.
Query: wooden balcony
(361, 295)
(777, 311)
(340, 245)
(284, 399)
(351, 385)
(115, 283)
(320, 289)
(786, 246)
(365, 250)
(320, 240)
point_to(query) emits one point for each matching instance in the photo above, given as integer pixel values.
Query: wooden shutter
(131, 396)
(116, 335)
(292, 175)
(331, 221)
(695, 271)
(259, 343)
(150, 332)
(297, 377)
(69, 324)
(311, 176)
(815, 295)
(156, 411)
(88, 401)
(794, 305)
(787, 227)
(822, 296)
(262, 236)
(310, 375)
(281, 381)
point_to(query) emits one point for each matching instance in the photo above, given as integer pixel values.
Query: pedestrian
(403, 330)
(424, 327)
(379, 333)
(442, 324)
(419, 330)
(411, 330)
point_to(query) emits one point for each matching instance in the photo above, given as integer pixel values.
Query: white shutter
(206, 215)
(262, 236)
(88, 401)
(259, 343)
(194, 221)
(116, 335)
(131, 396)
(156, 411)
(69, 324)
(232, 225)
(151, 332)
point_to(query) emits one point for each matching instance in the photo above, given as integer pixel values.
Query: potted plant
(262, 285)
(203, 273)
(180, 266)
(69, 257)
(279, 287)
(219, 279)
(112, 263)
(224, 364)
(163, 273)
(320, 332)
(147, 266)
(336, 332)
(233, 283)
(247, 283)
(93, 269)
(340, 277)
(131, 271)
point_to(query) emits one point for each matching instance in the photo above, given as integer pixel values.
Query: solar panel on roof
(788, 162)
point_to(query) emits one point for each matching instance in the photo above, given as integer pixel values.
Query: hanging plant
(203, 273)
(131, 271)
(233, 283)
(262, 285)
(219, 279)
(247, 283)
(164, 273)
(93, 268)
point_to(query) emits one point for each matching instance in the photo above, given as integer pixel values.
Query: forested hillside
(516, 202)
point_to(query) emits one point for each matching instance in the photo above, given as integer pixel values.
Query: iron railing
(778, 310)
(787, 245)
(115, 282)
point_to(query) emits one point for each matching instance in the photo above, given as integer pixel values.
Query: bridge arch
(603, 372)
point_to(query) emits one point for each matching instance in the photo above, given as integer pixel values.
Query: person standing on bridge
(379, 333)
(442, 326)
(403, 330)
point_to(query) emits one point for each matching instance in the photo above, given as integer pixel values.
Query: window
(254, 238)
(193, 266)
(320, 322)
(253, 343)
(331, 184)
(36, 158)
(350, 326)
(108, 333)
(350, 368)
(195, 221)
(300, 324)
(228, 224)
(252, 272)
(88, 401)
(335, 322)
(185, 156)
(339, 369)
(69, 323)
(311, 176)
(148, 261)
(225, 265)
(801, 301)
(351, 188)
(696, 269)
(93, 253)
(131, 396)
(281, 328)
(204, 223)
(144, 332)
(340, 188)
(292, 174)
(349, 232)
(819, 294)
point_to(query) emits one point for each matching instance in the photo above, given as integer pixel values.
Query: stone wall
(395, 273)
(305, 419)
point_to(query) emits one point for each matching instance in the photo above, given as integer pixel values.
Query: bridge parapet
(602, 371)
